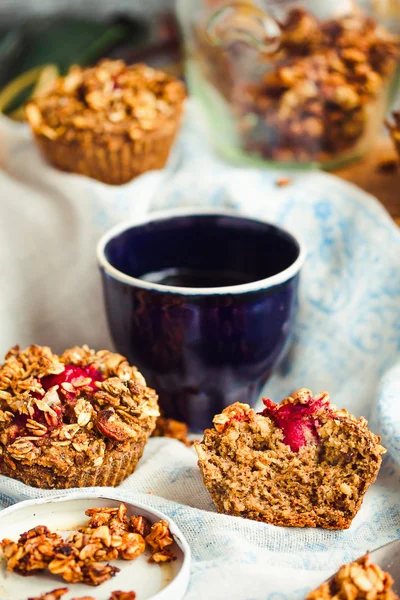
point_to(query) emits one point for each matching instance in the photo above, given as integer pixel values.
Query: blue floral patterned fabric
(347, 341)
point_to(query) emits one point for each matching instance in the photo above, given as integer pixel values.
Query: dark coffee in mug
(203, 305)
(197, 278)
(206, 253)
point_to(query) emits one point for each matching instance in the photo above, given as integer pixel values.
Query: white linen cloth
(347, 337)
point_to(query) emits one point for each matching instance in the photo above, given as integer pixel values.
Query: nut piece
(110, 425)
(132, 546)
(96, 547)
(163, 556)
(235, 412)
(66, 563)
(123, 596)
(346, 489)
(97, 573)
(160, 536)
(140, 525)
(114, 518)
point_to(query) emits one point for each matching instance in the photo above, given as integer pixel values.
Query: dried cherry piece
(72, 373)
(111, 426)
(299, 422)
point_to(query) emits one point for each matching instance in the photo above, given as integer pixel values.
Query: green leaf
(61, 41)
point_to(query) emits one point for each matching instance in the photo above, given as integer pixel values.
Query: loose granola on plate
(111, 122)
(75, 420)
(54, 595)
(360, 580)
(108, 535)
(39, 549)
(319, 97)
(58, 593)
(300, 463)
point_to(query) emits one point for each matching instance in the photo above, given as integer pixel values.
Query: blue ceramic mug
(203, 303)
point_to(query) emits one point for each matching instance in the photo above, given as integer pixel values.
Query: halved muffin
(301, 463)
(361, 580)
(76, 420)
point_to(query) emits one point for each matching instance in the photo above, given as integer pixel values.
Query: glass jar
(302, 83)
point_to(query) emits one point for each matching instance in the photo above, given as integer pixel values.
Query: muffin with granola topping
(360, 580)
(110, 122)
(76, 420)
(300, 463)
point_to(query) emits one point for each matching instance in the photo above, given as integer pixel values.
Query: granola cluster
(170, 428)
(39, 549)
(322, 88)
(110, 98)
(360, 580)
(108, 535)
(69, 411)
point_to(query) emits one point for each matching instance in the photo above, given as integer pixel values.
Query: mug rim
(160, 215)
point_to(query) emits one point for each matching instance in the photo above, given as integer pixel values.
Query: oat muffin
(111, 122)
(76, 420)
(361, 580)
(301, 463)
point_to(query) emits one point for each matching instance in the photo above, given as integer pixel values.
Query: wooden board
(367, 174)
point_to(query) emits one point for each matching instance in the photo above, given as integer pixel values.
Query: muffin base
(116, 467)
(114, 164)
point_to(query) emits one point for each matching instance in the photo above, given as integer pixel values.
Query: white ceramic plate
(167, 581)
